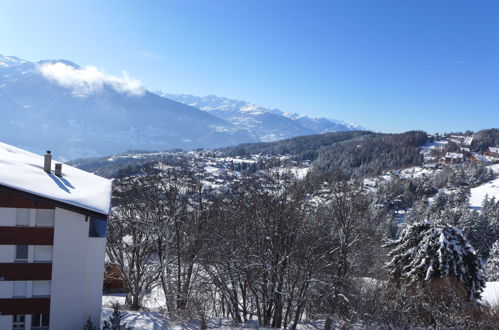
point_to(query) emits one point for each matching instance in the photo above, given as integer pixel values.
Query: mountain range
(265, 124)
(83, 112)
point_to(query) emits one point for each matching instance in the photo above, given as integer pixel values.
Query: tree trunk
(328, 323)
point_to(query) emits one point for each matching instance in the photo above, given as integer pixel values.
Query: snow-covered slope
(23, 170)
(321, 124)
(489, 189)
(266, 124)
(82, 112)
(491, 293)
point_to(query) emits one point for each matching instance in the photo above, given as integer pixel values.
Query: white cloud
(89, 80)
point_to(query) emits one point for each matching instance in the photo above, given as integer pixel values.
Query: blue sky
(387, 65)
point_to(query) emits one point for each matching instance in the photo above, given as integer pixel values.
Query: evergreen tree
(440, 202)
(116, 320)
(492, 266)
(461, 197)
(89, 325)
(477, 230)
(427, 251)
(418, 213)
(490, 210)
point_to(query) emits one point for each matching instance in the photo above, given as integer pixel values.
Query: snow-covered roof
(23, 171)
(494, 150)
(468, 140)
(456, 141)
(453, 155)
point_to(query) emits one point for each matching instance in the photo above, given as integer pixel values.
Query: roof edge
(57, 203)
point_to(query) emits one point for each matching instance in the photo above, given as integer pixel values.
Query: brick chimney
(58, 169)
(47, 164)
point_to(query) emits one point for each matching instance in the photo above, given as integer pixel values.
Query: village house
(453, 158)
(53, 220)
(492, 152)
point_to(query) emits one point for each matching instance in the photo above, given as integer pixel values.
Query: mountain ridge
(83, 112)
(244, 114)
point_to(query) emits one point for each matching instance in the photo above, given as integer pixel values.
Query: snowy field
(491, 293)
(153, 319)
(490, 189)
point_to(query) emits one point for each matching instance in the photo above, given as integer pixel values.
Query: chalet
(113, 281)
(53, 221)
(461, 140)
(492, 151)
(453, 158)
(468, 141)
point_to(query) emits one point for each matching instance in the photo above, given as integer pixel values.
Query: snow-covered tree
(490, 211)
(427, 251)
(418, 212)
(116, 320)
(461, 197)
(478, 232)
(439, 202)
(492, 266)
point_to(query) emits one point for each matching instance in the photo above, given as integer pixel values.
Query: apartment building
(53, 220)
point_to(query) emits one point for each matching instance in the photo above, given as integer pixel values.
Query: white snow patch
(154, 319)
(491, 293)
(478, 194)
(211, 169)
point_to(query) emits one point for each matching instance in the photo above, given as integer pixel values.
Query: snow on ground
(136, 156)
(153, 319)
(237, 160)
(298, 172)
(490, 189)
(491, 293)
(153, 301)
(211, 169)
(495, 168)
(434, 145)
(416, 172)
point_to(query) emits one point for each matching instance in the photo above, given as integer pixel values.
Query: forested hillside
(484, 139)
(302, 147)
(371, 154)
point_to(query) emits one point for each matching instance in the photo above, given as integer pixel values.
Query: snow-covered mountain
(266, 124)
(322, 124)
(82, 112)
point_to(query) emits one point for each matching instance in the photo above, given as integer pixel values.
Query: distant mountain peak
(247, 115)
(10, 61)
(82, 112)
(65, 62)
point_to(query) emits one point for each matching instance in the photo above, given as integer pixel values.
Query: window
(21, 253)
(40, 322)
(20, 289)
(45, 218)
(97, 228)
(22, 217)
(43, 253)
(41, 288)
(18, 322)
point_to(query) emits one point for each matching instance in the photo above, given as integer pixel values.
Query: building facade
(52, 249)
